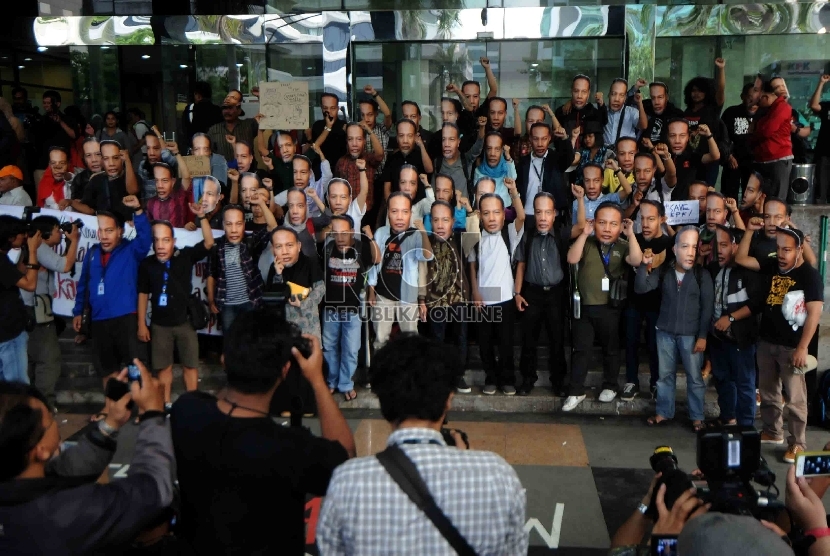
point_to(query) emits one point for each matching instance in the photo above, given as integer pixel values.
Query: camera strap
(406, 475)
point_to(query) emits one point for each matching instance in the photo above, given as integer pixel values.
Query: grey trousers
(777, 177)
(44, 359)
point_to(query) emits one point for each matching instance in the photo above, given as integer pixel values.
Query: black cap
(794, 233)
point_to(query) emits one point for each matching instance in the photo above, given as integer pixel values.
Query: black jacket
(553, 178)
(67, 512)
(743, 285)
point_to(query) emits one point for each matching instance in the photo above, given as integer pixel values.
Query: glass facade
(413, 53)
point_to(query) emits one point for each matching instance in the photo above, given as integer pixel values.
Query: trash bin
(802, 178)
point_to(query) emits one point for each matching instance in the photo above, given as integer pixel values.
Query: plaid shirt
(347, 169)
(365, 512)
(249, 251)
(382, 133)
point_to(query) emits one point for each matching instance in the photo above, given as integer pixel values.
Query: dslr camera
(730, 460)
(66, 227)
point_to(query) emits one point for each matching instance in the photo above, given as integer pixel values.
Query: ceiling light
(21, 67)
(239, 65)
(534, 64)
(183, 66)
(104, 48)
(27, 59)
(42, 49)
(145, 57)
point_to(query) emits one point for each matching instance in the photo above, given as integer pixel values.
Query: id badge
(163, 300)
(606, 284)
(101, 288)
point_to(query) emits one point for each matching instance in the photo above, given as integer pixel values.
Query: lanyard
(166, 276)
(541, 171)
(606, 259)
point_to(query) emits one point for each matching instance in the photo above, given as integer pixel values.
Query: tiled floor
(584, 475)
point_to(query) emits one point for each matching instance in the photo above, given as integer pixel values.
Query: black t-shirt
(102, 193)
(227, 466)
(578, 118)
(774, 326)
(737, 120)
(12, 310)
(51, 134)
(305, 272)
(686, 164)
(657, 130)
(763, 247)
(823, 141)
(179, 270)
(345, 275)
(390, 279)
(392, 169)
(334, 147)
(709, 115)
(650, 301)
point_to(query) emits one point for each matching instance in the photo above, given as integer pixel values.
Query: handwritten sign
(284, 105)
(682, 212)
(66, 285)
(198, 165)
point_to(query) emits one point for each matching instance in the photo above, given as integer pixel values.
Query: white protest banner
(284, 105)
(66, 285)
(682, 212)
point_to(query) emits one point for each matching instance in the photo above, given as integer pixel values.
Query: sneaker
(463, 387)
(607, 395)
(572, 402)
(769, 439)
(629, 392)
(525, 389)
(789, 456)
(490, 389)
(508, 390)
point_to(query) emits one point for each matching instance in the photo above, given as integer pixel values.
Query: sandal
(100, 416)
(349, 396)
(699, 426)
(654, 422)
(717, 424)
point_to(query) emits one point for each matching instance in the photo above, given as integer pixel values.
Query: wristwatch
(642, 508)
(731, 318)
(107, 430)
(34, 266)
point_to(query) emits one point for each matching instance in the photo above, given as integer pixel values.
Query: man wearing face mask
(622, 120)
(578, 111)
(347, 168)
(411, 150)
(280, 165)
(296, 218)
(682, 326)
(304, 179)
(157, 151)
(329, 134)
(106, 191)
(201, 146)
(785, 333)
(452, 160)
(170, 202)
(53, 187)
(93, 163)
(165, 279)
(44, 488)
(369, 109)
(543, 169)
(234, 284)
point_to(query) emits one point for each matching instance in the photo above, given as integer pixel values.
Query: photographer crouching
(471, 501)
(723, 515)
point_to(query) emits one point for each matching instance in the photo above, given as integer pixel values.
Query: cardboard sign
(198, 165)
(682, 212)
(284, 105)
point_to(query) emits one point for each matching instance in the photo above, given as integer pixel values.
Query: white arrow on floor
(552, 538)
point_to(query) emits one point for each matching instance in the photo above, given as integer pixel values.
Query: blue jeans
(14, 359)
(341, 344)
(734, 368)
(230, 312)
(633, 322)
(669, 347)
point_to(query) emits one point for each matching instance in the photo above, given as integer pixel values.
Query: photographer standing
(233, 461)
(13, 336)
(44, 351)
(366, 512)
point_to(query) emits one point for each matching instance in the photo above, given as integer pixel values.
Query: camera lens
(663, 460)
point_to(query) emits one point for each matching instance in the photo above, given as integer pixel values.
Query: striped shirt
(237, 293)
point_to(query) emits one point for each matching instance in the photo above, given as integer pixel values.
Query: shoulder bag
(406, 475)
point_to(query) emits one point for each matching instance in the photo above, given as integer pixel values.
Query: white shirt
(16, 197)
(495, 273)
(652, 194)
(534, 179)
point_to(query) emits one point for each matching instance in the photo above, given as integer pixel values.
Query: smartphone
(134, 374)
(812, 464)
(116, 390)
(663, 545)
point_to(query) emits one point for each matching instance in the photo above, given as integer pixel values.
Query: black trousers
(544, 307)
(733, 182)
(495, 328)
(602, 322)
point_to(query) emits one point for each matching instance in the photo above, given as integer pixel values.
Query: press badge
(101, 288)
(606, 284)
(163, 300)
